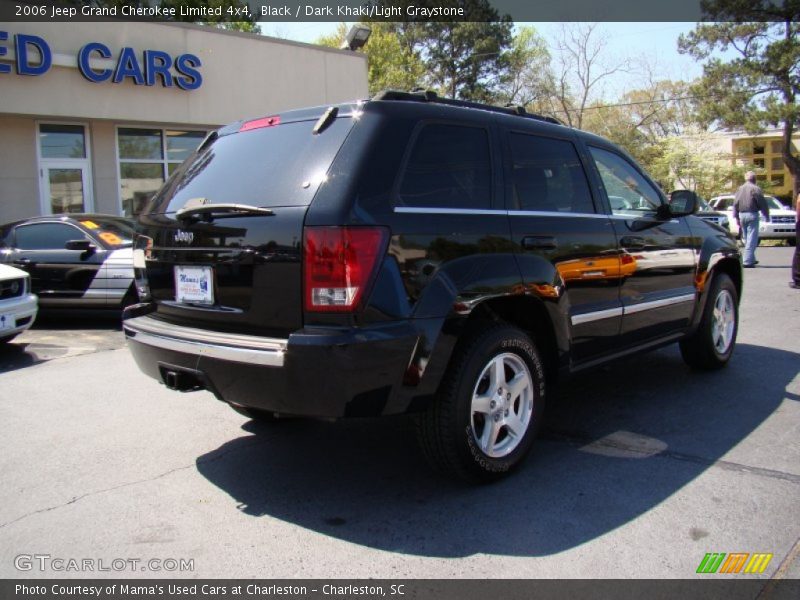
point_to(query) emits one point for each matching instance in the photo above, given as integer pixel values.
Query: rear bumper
(319, 373)
(233, 348)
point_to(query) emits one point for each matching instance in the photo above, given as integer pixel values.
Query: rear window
(282, 165)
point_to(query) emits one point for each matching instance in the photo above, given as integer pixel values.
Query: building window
(62, 141)
(758, 147)
(146, 158)
(777, 164)
(777, 180)
(758, 163)
(742, 148)
(64, 174)
(776, 146)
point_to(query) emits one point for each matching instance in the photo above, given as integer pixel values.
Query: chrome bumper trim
(233, 347)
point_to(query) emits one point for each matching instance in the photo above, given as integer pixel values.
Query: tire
(256, 414)
(453, 432)
(711, 346)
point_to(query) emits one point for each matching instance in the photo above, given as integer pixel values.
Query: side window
(627, 190)
(449, 167)
(548, 175)
(46, 236)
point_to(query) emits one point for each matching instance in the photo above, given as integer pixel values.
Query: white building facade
(95, 116)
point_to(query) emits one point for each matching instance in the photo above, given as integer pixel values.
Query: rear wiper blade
(220, 211)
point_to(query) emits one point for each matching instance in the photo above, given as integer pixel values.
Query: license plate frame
(194, 284)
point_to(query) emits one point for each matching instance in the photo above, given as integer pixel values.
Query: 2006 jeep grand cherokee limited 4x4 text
(411, 254)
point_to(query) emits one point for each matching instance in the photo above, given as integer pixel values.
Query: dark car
(76, 260)
(411, 254)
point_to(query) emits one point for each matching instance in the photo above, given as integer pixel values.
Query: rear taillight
(339, 265)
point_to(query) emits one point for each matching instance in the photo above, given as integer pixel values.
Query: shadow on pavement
(78, 319)
(618, 442)
(61, 333)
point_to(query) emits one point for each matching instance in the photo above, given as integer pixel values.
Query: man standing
(748, 202)
(795, 283)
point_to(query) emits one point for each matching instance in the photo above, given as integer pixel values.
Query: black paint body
(549, 273)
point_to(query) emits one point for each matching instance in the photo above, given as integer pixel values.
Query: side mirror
(81, 245)
(683, 203)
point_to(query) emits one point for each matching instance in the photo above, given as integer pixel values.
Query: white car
(780, 225)
(18, 307)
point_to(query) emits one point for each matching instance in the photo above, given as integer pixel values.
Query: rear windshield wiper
(198, 210)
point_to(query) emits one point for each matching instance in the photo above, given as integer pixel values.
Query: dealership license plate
(194, 285)
(7, 322)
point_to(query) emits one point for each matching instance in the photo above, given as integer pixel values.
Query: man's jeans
(749, 223)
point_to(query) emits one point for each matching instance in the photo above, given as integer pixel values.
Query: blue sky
(654, 42)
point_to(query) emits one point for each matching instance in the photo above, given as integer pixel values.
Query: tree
(528, 80)
(465, 59)
(694, 162)
(582, 66)
(759, 87)
(392, 65)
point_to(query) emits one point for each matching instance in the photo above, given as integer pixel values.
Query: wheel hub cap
(502, 405)
(724, 322)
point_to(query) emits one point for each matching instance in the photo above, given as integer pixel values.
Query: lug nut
(497, 417)
(508, 396)
(492, 404)
(506, 413)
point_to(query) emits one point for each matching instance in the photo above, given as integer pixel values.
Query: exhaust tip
(181, 380)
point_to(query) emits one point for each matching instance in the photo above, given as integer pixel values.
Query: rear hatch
(226, 230)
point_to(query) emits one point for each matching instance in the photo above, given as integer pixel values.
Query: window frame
(163, 161)
(508, 171)
(15, 242)
(611, 150)
(83, 163)
(394, 194)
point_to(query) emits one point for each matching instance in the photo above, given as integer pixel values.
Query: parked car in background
(77, 260)
(780, 225)
(18, 306)
(705, 212)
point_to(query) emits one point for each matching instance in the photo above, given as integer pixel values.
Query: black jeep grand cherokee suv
(414, 254)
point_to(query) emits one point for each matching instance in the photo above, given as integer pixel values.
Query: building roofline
(261, 38)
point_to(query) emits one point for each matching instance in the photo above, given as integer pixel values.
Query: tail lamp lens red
(339, 265)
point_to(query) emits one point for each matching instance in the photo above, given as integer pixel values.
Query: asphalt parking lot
(643, 468)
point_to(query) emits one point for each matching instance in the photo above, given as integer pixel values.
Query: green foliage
(465, 60)
(528, 79)
(391, 64)
(759, 86)
(694, 162)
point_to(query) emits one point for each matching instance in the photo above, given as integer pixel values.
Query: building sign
(152, 67)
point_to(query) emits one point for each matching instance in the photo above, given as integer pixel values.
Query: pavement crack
(579, 440)
(202, 461)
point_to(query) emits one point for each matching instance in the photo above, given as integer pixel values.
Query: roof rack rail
(422, 95)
